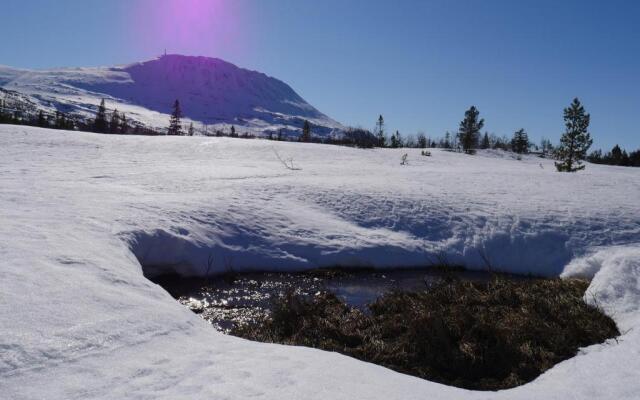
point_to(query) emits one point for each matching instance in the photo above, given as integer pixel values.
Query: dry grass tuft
(476, 335)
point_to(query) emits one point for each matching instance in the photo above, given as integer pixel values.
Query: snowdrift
(83, 216)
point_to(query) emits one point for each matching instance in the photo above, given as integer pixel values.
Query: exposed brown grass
(475, 335)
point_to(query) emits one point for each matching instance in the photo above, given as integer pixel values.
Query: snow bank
(615, 287)
(83, 216)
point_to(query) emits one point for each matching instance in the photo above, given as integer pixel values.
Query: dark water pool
(243, 298)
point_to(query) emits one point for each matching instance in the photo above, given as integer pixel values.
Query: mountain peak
(211, 91)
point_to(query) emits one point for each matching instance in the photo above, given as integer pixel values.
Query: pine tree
(396, 140)
(124, 128)
(380, 136)
(447, 141)
(175, 127)
(595, 157)
(469, 130)
(42, 121)
(306, 132)
(576, 140)
(615, 156)
(422, 141)
(100, 124)
(634, 158)
(191, 130)
(114, 125)
(486, 143)
(68, 123)
(520, 142)
(625, 160)
(233, 131)
(60, 122)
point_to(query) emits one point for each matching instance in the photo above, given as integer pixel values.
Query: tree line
(467, 138)
(18, 112)
(617, 156)
(116, 122)
(22, 112)
(570, 153)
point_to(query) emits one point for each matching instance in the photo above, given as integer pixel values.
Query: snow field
(82, 216)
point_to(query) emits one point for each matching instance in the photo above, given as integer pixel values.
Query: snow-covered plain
(82, 215)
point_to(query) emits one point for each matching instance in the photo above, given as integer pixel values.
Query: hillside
(211, 91)
(84, 215)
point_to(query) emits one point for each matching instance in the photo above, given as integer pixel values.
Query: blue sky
(419, 63)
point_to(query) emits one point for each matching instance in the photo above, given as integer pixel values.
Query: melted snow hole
(231, 299)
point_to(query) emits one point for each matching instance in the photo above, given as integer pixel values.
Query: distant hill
(211, 91)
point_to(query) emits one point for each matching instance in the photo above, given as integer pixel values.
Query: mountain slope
(211, 91)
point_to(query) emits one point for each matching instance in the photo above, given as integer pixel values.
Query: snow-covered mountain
(211, 91)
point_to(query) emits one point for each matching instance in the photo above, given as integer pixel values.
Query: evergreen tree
(634, 158)
(396, 140)
(100, 124)
(124, 127)
(175, 126)
(191, 130)
(625, 161)
(114, 124)
(486, 143)
(469, 130)
(233, 131)
(520, 142)
(447, 140)
(68, 123)
(576, 140)
(381, 138)
(60, 121)
(42, 121)
(595, 157)
(615, 156)
(306, 132)
(422, 141)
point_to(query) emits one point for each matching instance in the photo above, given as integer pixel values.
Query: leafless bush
(209, 265)
(288, 163)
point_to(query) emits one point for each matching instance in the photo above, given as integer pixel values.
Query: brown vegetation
(476, 335)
